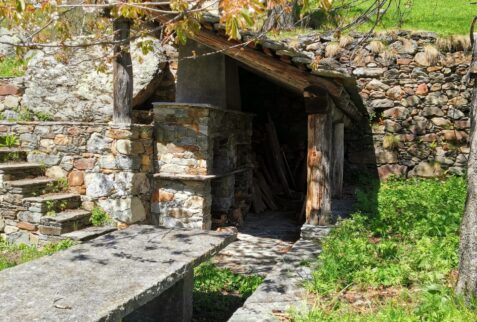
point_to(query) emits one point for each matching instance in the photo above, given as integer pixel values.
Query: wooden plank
(122, 73)
(344, 103)
(276, 154)
(270, 67)
(318, 199)
(338, 160)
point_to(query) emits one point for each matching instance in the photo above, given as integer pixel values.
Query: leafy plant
(12, 67)
(59, 185)
(99, 217)
(9, 141)
(43, 116)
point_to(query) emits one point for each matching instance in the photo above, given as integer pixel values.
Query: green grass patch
(219, 292)
(12, 255)
(12, 67)
(395, 258)
(445, 17)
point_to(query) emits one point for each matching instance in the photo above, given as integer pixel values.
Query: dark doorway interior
(279, 144)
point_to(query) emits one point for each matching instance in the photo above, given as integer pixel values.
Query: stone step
(30, 187)
(64, 222)
(20, 170)
(88, 233)
(52, 203)
(13, 154)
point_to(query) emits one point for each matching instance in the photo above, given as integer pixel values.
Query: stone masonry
(104, 165)
(198, 163)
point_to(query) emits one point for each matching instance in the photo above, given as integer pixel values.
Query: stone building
(227, 128)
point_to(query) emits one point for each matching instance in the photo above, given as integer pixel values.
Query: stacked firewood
(275, 180)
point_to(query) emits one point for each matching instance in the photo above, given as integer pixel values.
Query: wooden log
(338, 160)
(345, 104)
(318, 199)
(122, 72)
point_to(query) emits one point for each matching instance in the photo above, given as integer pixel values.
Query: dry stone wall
(109, 166)
(415, 91)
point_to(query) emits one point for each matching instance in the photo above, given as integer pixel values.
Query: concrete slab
(107, 278)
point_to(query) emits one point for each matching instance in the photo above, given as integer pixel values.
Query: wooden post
(338, 160)
(122, 72)
(318, 199)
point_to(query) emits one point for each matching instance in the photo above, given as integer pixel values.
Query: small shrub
(99, 217)
(12, 67)
(44, 117)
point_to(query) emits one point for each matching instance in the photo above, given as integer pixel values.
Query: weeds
(99, 217)
(11, 255)
(403, 238)
(219, 292)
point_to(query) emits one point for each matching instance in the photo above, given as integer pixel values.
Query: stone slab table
(142, 273)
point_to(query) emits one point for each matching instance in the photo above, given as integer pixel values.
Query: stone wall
(200, 149)
(414, 89)
(108, 165)
(11, 92)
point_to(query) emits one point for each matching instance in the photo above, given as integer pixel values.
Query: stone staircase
(32, 203)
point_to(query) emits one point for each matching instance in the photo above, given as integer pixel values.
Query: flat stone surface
(19, 166)
(51, 197)
(282, 289)
(29, 182)
(261, 242)
(106, 278)
(68, 215)
(88, 233)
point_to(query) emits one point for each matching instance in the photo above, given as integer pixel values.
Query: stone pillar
(120, 181)
(173, 305)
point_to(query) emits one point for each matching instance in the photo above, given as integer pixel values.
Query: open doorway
(279, 145)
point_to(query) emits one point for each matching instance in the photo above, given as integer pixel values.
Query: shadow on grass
(215, 306)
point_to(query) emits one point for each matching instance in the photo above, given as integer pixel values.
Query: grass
(218, 292)
(395, 259)
(12, 67)
(446, 17)
(12, 255)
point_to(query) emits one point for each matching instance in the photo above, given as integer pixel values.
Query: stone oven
(203, 162)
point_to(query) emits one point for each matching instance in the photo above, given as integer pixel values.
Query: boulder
(76, 91)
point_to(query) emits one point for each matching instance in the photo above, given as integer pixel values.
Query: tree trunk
(122, 73)
(467, 282)
(318, 199)
(281, 17)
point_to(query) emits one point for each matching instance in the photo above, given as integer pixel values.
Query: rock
(43, 158)
(422, 90)
(376, 85)
(84, 163)
(368, 72)
(458, 101)
(455, 114)
(2, 224)
(455, 136)
(457, 171)
(76, 91)
(432, 111)
(385, 156)
(75, 178)
(126, 210)
(8, 89)
(124, 146)
(421, 59)
(11, 101)
(398, 112)
(392, 126)
(389, 170)
(55, 172)
(440, 122)
(98, 143)
(436, 98)
(427, 170)
(413, 100)
(381, 103)
(395, 93)
(99, 185)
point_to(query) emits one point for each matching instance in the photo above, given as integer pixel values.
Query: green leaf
(20, 5)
